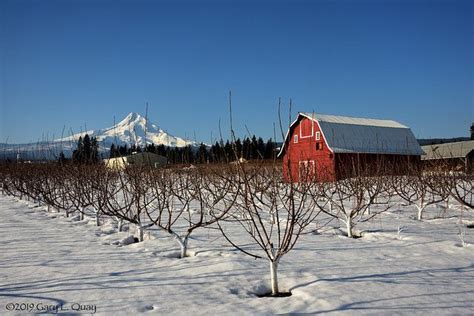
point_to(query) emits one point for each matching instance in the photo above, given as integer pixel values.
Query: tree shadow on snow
(398, 278)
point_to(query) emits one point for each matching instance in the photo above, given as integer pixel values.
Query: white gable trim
(287, 134)
(322, 132)
(312, 131)
(282, 149)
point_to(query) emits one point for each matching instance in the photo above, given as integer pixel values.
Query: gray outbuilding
(459, 154)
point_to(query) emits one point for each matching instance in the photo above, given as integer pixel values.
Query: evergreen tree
(77, 154)
(187, 154)
(123, 150)
(62, 158)
(169, 155)
(260, 148)
(114, 152)
(94, 158)
(216, 153)
(161, 150)
(254, 148)
(247, 148)
(228, 152)
(150, 148)
(238, 148)
(87, 149)
(202, 154)
(269, 148)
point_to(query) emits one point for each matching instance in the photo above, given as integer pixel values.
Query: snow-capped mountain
(131, 130)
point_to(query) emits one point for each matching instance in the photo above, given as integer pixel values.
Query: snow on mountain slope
(131, 130)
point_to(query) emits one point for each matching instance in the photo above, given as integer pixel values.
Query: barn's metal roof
(353, 120)
(361, 135)
(448, 150)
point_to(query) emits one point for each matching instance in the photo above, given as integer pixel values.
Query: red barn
(329, 147)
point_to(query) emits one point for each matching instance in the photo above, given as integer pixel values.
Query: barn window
(319, 146)
(318, 135)
(296, 139)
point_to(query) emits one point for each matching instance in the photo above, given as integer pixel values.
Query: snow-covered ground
(49, 260)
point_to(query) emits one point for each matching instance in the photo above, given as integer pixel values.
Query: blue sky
(78, 63)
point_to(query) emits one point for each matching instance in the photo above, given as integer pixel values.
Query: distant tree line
(86, 152)
(248, 148)
(436, 141)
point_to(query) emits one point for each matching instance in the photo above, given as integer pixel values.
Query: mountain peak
(132, 117)
(134, 129)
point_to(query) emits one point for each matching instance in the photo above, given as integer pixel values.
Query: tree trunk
(420, 212)
(82, 213)
(183, 244)
(49, 208)
(349, 227)
(140, 232)
(462, 214)
(120, 225)
(97, 218)
(274, 276)
(184, 247)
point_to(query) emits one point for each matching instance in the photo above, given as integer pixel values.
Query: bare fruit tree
(81, 191)
(353, 200)
(54, 188)
(421, 190)
(186, 200)
(273, 213)
(127, 196)
(458, 186)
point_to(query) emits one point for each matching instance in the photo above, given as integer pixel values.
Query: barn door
(306, 170)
